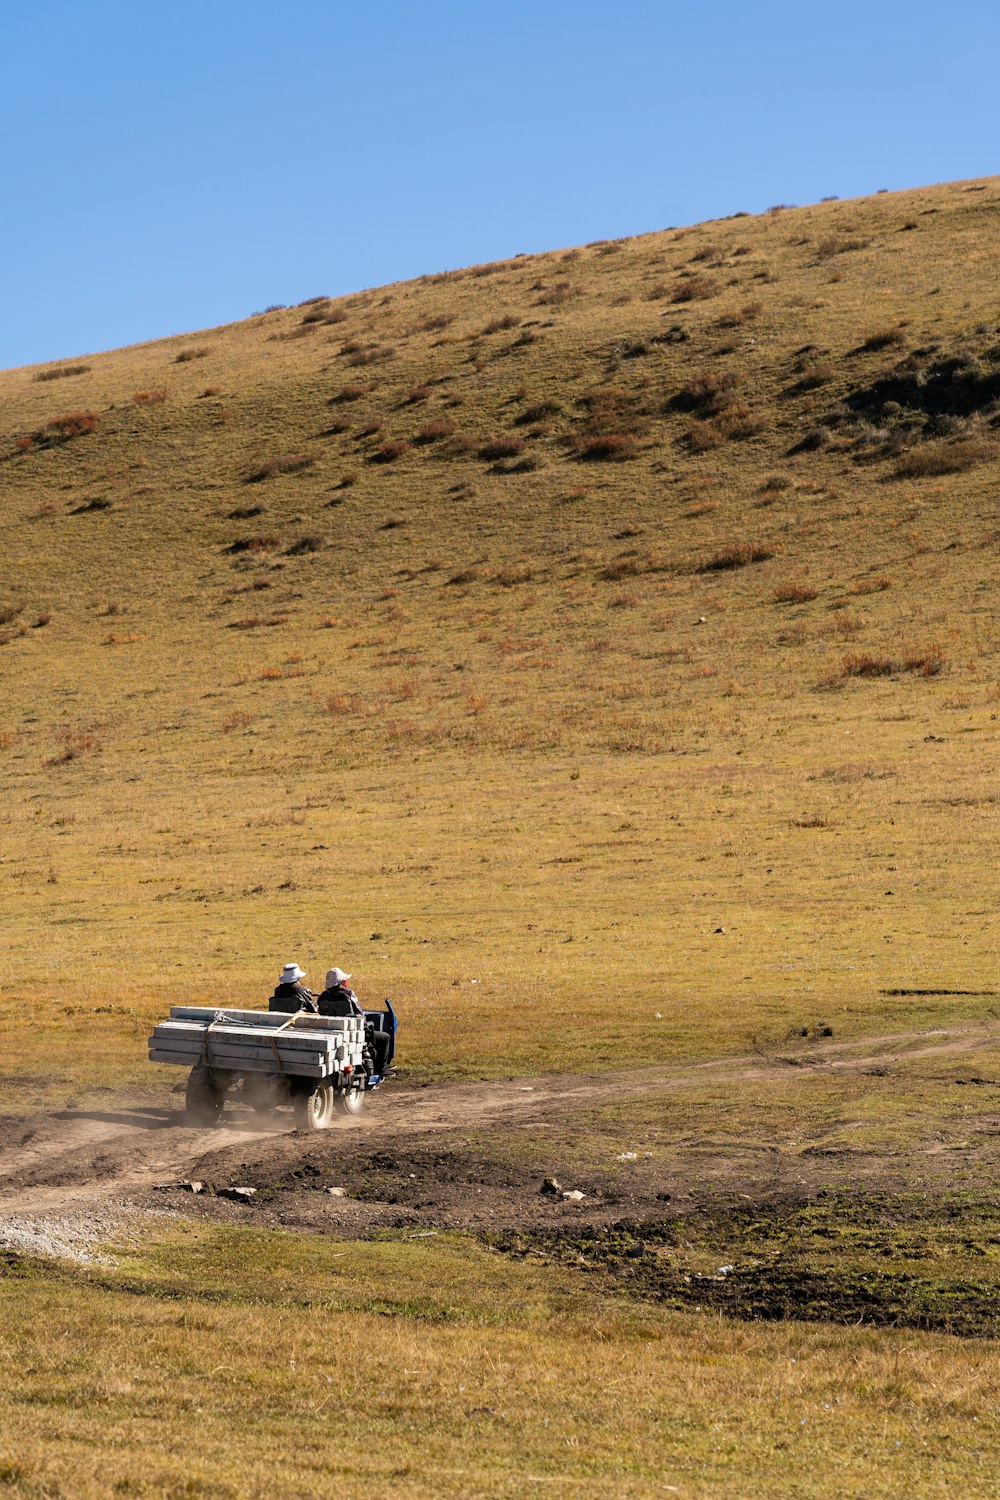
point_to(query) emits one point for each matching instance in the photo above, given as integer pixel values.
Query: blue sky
(171, 166)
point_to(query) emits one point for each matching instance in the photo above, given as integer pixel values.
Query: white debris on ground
(81, 1235)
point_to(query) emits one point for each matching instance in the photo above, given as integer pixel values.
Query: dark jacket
(338, 1000)
(290, 998)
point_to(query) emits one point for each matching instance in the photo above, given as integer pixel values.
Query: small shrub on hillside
(929, 661)
(695, 289)
(389, 452)
(707, 393)
(703, 436)
(613, 447)
(435, 324)
(149, 398)
(502, 325)
(928, 459)
(74, 744)
(863, 664)
(538, 411)
(558, 295)
(875, 585)
(284, 463)
(186, 355)
(417, 394)
(349, 393)
(835, 244)
(746, 314)
(370, 429)
(73, 425)
(61, 372)
(210, 390)
(457, 446)
(814, 375)
(794, 593)
(502, 447)
(883, 338)
(433, 432)
(306, 544)
(253, 544)
(774, 484)
(740, 555)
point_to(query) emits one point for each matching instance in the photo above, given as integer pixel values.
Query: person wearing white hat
(338, 999)
(290, 994)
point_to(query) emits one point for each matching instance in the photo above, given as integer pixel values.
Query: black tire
(314, 1107)
(350, 1101)
(205, 1099)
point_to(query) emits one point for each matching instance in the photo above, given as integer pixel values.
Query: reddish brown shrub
(613, 447)
(502, 447)
(794, 593)
(863, 664)
(417, 394)
(350, 393)
(74, 424)
(390, 451)
(928, 661)
(433, 432)
(876, 585)
(186, 355)
(149, 398)
(737, 556)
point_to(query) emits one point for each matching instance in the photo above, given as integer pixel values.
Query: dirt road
(401, 1160)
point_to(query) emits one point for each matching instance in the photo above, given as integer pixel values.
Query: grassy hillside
(614, 622)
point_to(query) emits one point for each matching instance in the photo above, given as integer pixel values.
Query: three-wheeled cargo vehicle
(317, 1064)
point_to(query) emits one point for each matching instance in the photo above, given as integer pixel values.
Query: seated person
(290, 996)
(339, 1000)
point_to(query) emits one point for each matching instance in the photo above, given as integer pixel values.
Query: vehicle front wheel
(314, 1108)
(204, 1098)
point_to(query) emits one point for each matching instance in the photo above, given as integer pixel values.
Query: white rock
(573, 1196)
(337, 1192)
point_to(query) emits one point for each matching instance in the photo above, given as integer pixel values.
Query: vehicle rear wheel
(314, 1107)
(204, 1098)
(351, 1102)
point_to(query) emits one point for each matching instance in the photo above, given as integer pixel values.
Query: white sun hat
(336, 976)
(291, 973)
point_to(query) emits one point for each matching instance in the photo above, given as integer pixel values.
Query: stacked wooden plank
(255, 1041)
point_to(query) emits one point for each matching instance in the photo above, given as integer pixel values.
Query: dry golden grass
(253, 1364)
(544, 730)
(393, 632)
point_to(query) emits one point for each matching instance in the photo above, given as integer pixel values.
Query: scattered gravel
(82, 1235)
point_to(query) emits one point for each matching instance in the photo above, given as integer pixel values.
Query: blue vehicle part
(383, 1020)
